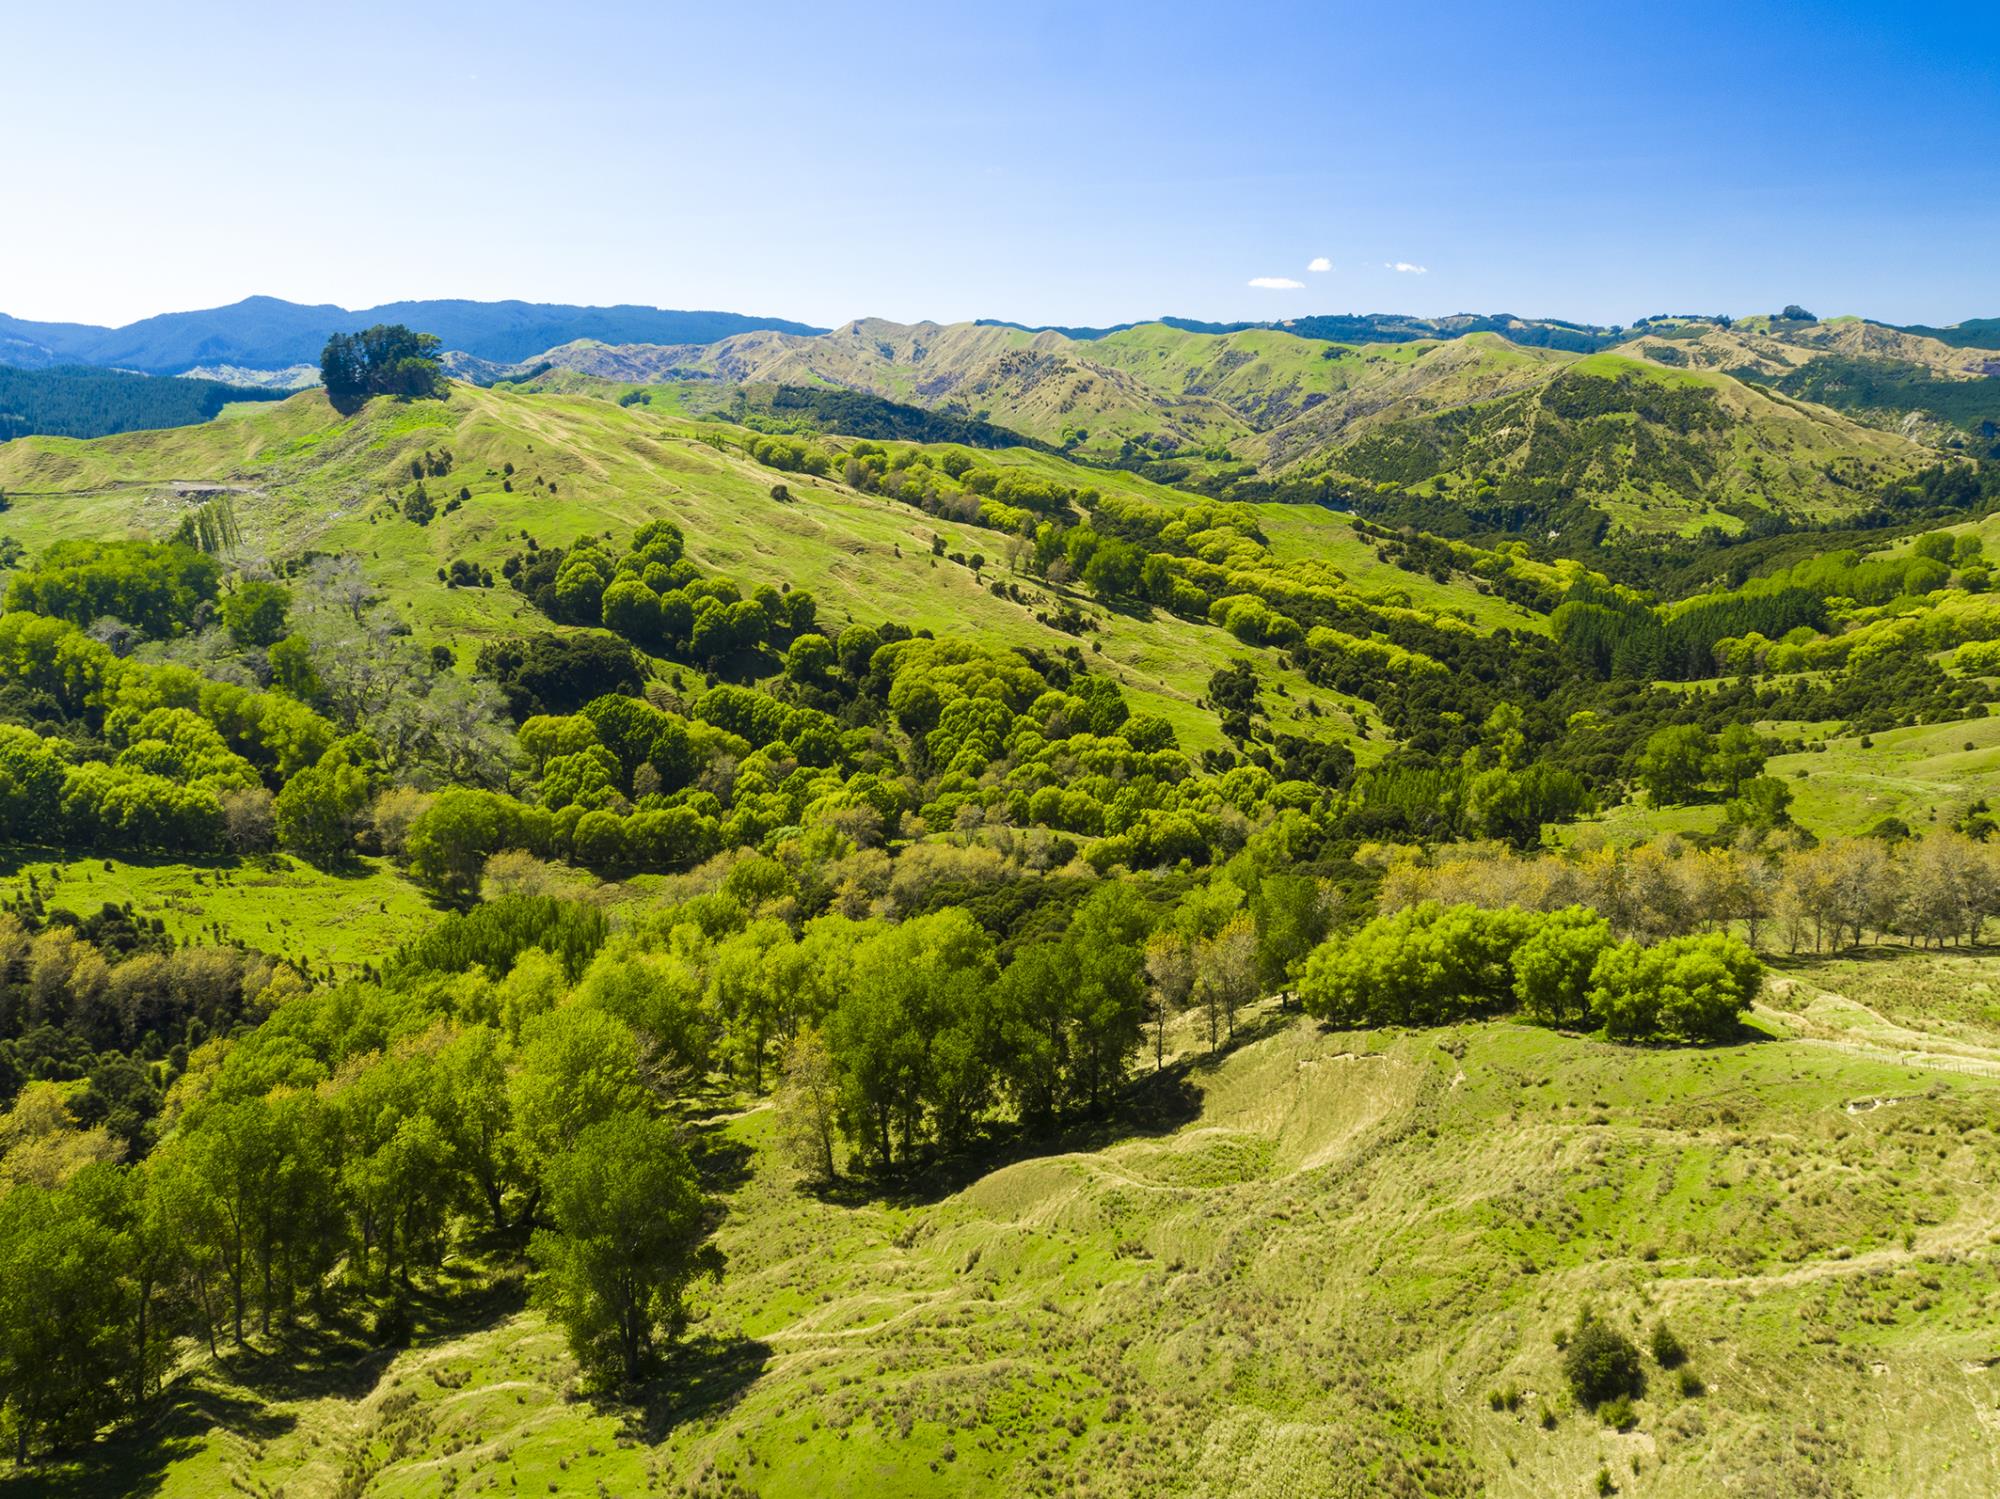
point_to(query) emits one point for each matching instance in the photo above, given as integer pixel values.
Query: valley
(1146, 991)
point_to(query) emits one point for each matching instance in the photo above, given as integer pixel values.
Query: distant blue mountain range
(267, 333)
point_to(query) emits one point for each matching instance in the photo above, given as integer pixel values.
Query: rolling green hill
(1081, 950)
(1672, 450)
(1711, 425)
(302, 478)
(1651, 448)
(1909, 381)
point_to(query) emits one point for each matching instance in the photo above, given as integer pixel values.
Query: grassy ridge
(1216, 407)
(1324, 1261)
(303, 478)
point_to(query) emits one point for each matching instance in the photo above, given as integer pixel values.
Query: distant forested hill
(270, 333)
(1375, 327)
(1973, 333)
(77, 401)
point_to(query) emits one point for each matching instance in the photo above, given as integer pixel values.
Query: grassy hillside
(317, 919)
(303, 478)
(1771, 347)
(1920, 776)
(1944, 394)
(1652, 449)
(1272, 403)
(1331, 1262)
(1215, 409)
(1298, 1257)
(1040, 384)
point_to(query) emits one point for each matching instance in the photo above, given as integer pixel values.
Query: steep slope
(1160, 386)
(1650, 448)
(1675, 450)
(1898, 379)
(1302, 395)
(301, 477)
(1773, 347)
(1379, 327)
(1044, 385)
(1982, 333)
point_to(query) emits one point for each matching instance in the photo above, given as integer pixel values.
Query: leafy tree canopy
(385, 360)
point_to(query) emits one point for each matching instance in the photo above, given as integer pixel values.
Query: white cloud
(1405, 268)
(1275, 283)
(1320, 263)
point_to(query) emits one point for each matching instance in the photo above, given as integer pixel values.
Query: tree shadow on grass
(701, 1376)
(17, 857)
(1745, 1032)
(343, 1353)
(1252, 1026)
(136, 1461)
(722, 1161)
(331, 1356)
(1155, 1104)
(1878, 952)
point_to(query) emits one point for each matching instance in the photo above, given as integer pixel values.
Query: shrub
(1668, 1351)
(1552, 969)
(1431, 964)
(1423, 965)
(1687, 987)
(1601, 1363)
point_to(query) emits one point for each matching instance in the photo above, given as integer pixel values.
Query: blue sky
(1042, 162)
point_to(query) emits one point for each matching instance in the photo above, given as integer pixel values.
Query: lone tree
(385, 360)
(630, 1237)
(809, 1105)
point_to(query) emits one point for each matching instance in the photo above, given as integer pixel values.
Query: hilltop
(303, 479)
(1944, 392)
(567, 466)
(1677, 425)
(1652, 445)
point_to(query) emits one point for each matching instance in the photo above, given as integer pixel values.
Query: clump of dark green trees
(385, 360)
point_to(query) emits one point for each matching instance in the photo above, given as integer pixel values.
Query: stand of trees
(80, 401)
(1430, 964)
(520, 1070)
(903, 887)
(154, 587)
(336, 1152)
(385, 360)
(1786, 892)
